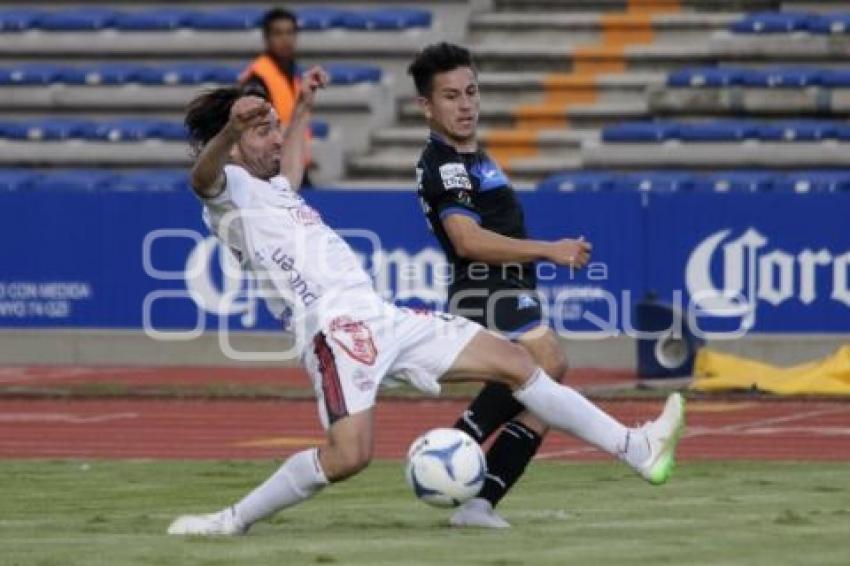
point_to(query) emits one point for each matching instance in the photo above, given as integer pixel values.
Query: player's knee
(519, 364)
(556, 367)
(347, 462)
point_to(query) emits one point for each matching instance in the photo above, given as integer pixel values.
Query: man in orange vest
(273, 74)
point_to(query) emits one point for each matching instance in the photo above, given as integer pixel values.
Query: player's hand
(311, 81)
(247, 112)
(573, 253)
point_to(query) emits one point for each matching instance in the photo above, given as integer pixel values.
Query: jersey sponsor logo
(306, 215)
(454, 176)
(300, 287)
(526, 302)
(355, 338)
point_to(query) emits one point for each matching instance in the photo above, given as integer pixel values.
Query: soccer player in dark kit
(475, 215)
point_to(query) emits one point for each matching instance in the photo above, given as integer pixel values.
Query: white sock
(565, 409)
(298, 479)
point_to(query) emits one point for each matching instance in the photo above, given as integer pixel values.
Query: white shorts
(353, 354)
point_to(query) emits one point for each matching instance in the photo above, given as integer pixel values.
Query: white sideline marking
(64, 418)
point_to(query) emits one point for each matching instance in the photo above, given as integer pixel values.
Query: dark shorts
(511, 312)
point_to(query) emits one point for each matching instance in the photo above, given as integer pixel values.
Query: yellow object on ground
(715, 371)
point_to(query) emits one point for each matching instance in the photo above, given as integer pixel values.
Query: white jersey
(303, 268)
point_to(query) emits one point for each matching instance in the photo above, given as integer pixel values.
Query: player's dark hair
(208, 113)
(437, 58)
(274, 15)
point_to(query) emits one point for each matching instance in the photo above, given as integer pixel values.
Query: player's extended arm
(295, 140)
(473, 242)
(207, 175)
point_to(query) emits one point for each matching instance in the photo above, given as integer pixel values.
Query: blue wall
(77, 259)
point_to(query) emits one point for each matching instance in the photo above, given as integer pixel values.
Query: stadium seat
(153, 180)
(40, 74)
(226, 19)
(113, 73)
(187, 73)
(73, 180)
(798, 130)
(655, 181)
(773, 22)
(817, 181)
(156, 19)
(79, 19)
(387, 19)
(830, 23)
(319, 129)
(835, 78)
(319, 19)
(718, 131)
(782, 77)
(47, 129)
(17, 179)
(18, 19)
(740, 181)
(346, 74)
(705, 77)
(127, 129)
(639, 132)
(578, 181)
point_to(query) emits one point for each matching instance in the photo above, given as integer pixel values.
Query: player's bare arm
(476, 243)
(207, 175)
(294, 140)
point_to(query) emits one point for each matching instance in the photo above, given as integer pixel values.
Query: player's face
(281, 39)
(452, 109)
(259, 148)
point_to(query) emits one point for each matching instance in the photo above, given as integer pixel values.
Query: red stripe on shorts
(331, 386)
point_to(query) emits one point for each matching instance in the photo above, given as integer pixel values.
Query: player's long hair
(208, 113)
(437, 58)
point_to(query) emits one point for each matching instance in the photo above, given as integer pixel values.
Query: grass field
(111, 512)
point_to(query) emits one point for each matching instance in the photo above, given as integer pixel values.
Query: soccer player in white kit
(350, 339)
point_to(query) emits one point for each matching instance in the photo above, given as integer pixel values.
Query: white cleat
(478, 512)
(223, 523)
(663, 435)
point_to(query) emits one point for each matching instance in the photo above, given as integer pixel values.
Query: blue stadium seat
(387, 19)
(153, 20)
(51, 129)
(817, 181)
(640, 132)
(830, 23)
(319, 129)
(578, 181)
(783, 77)
(346, 74)
(17, 179)
(187, 73)
(738, 181)
(773, 22)
(113, 73)
(125, 129)
(718, 131)
(39, 74)
(73, 180)
(705, 77)
(319, 19)
(835, 78)
(78, 19)
(655, 181)
(18, 19)
(152, 180)
(227, 19)
(798, 130)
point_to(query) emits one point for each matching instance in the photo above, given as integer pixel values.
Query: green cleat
(663, 435)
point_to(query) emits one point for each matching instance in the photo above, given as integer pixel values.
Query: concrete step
(413, 138)
(622, 5)
(737, 101)
(578, 28)
(501, 115)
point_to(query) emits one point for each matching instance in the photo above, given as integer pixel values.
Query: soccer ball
(445, 467)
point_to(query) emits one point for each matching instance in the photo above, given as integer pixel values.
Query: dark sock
(511, 452)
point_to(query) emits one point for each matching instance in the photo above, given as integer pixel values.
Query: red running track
(126, 428)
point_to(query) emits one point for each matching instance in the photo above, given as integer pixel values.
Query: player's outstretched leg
(649, 449)
(302, 475)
